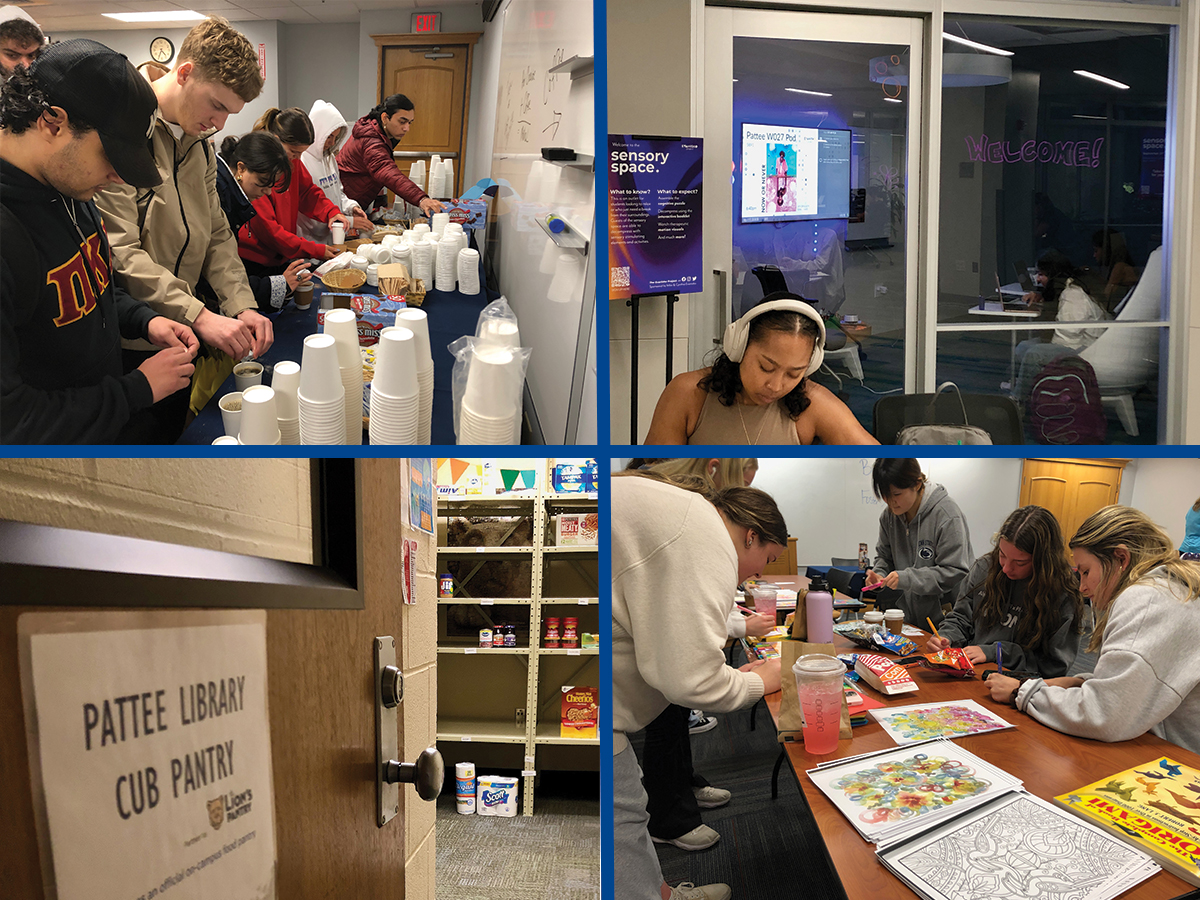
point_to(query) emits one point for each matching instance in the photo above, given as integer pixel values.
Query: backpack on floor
(1064, 404)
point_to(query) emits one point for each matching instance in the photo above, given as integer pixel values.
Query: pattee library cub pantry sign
(150, 754)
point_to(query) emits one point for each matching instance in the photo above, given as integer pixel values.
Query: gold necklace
(746, 431)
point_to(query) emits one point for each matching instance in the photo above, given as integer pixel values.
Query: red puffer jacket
(270, 238)
(367, 166)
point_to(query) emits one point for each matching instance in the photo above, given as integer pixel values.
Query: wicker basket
(345, 279)
(416, 293)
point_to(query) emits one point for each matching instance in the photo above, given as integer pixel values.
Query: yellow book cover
(1154, 806)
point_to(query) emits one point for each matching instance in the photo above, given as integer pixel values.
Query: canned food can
(485, 637)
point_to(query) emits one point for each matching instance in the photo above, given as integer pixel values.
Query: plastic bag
(498, 323)
(494, 396)
(341, 261)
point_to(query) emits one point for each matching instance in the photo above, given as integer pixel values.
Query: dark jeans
(668, 776)
(163, 422)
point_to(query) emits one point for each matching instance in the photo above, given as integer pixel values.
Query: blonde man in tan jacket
(165, 239)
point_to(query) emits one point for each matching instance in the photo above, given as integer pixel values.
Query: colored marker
(999, 659)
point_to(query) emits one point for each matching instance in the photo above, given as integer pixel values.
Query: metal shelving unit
(541, 726)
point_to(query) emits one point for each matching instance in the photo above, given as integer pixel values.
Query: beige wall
(259, 507)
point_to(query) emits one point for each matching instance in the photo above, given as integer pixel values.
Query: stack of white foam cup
(417, 173)
(285, 379)
(343, 326)
(395, 392)
(447, 262)
(422, 262)
(417, 322)
(503, 332)
(491, 404)
(321, 396)
(260, 422)
(468, 271)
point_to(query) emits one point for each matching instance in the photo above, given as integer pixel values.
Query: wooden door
(321, 699)
(434, 71)
(1072, 489)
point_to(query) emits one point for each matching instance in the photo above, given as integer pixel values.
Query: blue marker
(999, 659)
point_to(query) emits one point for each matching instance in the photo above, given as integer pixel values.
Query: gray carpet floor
(552, 855)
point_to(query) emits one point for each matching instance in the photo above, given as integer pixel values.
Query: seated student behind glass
(924, 547)
(1022, 597)
(1147, 676)
(758, 391)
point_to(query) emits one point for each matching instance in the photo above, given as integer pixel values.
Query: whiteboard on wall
(547, 285)
(830, 507)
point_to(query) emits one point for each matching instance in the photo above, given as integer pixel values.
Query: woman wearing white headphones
(757, 391)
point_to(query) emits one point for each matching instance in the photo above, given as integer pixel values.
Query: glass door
(817, 118)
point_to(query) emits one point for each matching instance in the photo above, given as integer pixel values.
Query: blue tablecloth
(451, 315)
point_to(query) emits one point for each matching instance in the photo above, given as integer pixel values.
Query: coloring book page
(922, 721)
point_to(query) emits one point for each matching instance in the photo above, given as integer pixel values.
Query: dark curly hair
(725, 377)
(21, 30)
(262, 153)
(22, 101)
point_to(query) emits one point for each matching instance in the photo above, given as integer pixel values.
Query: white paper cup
(359, 262)
(417, 321)
(389, 241)
(502, 332)
(246, 374)
(396, 364)
(260, 421)
(492, 381)
(231, 412)
(224, 440)
(337, 233)
(320, 380)
(285, 379)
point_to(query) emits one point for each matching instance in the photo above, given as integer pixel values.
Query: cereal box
(577, 529)
(580, 711)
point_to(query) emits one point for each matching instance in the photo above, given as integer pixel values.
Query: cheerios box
(496, 795)
(580, 711)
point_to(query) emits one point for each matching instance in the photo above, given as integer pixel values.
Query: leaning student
(329, 133)
(924, 547)
(1020, 597)
(1147, 676)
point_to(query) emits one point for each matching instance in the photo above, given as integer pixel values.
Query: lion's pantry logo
(228, 807)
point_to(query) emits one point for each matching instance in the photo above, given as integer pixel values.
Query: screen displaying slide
(794, 173)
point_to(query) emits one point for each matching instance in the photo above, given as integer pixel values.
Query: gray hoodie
(932, 553)
(1147, 677)
(962, 626)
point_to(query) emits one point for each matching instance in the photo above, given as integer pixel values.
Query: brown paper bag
(799, 630)
(791, 724)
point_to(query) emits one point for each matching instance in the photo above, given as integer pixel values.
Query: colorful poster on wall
(420, 493)
(150, 749)
(459, 477)
(655, 243)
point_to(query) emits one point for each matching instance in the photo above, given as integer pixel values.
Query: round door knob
(391, 686)
(425, 774)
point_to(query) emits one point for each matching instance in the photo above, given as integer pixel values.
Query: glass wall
(1053, 161)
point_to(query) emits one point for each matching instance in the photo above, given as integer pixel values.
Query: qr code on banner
(618, 276)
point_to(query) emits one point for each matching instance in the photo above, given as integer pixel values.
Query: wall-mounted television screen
(791, 173)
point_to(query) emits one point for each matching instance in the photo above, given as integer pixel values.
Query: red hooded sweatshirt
(367, 166)
(270, 238)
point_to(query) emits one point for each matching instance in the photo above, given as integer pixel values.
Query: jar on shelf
(570, 632)
(485, 637)
(510, 635)
(445, 585)
(498, 636)
(552, 634)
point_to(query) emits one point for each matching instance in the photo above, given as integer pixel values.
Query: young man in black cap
(75, 123)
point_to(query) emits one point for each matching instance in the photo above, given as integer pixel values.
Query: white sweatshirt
(674, 576)
(323, 168)
(1147, 676)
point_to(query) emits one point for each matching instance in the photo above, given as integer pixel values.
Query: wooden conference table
(1047, 761)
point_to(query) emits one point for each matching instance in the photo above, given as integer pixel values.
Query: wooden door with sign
(434, 72)
(1072, 489)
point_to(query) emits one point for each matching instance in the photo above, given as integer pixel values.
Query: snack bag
(951, 661)
(896, 643)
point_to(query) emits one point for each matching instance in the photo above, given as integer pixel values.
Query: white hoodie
(323, 168)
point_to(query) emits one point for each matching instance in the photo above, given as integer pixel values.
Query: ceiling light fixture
(984, 47)
(173, 15)
(812, 93)
(1092, 75)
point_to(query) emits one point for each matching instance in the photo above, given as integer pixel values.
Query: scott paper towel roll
(464, 787)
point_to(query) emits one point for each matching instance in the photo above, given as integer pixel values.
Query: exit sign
(426, 23)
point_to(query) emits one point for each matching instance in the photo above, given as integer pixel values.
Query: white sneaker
(699, 838)
(687, 891)
(700, 723)
(709, 797)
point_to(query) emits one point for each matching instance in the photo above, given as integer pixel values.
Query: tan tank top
(720, 424)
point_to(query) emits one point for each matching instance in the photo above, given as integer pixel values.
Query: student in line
(924, 547)
(1190, 548)
(1147, 676)
(329, 133)
(678, 555)
(1020, 597)
(269, 243)
(758, 391)
(676, 792)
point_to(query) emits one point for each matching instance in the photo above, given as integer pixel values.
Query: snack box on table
(883, 674)
(373, 313)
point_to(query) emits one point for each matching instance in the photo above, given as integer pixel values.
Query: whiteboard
(552, 296)
(830, 507)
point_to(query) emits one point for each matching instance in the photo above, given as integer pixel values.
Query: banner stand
(634, 303)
